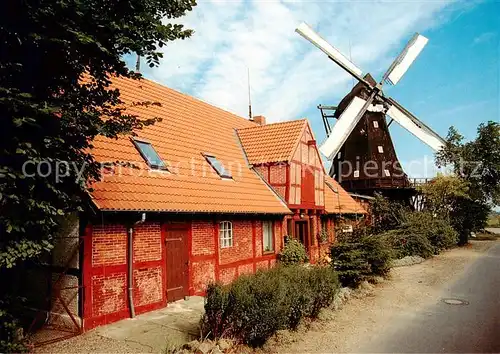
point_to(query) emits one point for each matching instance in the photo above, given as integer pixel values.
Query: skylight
(217, 166)
(149, 154)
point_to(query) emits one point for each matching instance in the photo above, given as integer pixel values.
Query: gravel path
(407, 290)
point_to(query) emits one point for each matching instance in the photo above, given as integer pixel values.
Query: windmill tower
(359, 144)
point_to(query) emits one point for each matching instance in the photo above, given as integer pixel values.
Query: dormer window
(217, 166)
(149, 154)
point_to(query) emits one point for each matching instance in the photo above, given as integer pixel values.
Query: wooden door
(301, 233)
(177, 262)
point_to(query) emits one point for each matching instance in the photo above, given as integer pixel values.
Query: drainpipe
(130, 265)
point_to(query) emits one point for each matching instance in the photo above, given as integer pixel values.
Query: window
(217, 166)
(226, 234)
(387, 173)
(375, 124)
(356, 174)
(380, 149)
(149, 154)
(267, 236)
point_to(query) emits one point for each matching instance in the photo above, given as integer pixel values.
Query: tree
(441, 194)
(56, 60)
(477, 164)
(477, 161)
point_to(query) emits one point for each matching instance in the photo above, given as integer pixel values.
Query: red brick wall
(106, 273)
(109, 245)
(105, 266)
(242, 243)
(147, 242)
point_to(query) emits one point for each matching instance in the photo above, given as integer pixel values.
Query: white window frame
(387, 173)
(269, 228)
(356, 174)
(375, 124)
(226, 234)
(380, 149)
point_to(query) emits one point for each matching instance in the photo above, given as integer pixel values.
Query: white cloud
(484, 37)
(288, 74)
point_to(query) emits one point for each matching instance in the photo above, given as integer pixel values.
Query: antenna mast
(138, 64)
(249, 96)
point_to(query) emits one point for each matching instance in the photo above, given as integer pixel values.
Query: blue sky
(455, 81)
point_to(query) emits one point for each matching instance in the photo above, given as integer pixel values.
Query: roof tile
(189, 127)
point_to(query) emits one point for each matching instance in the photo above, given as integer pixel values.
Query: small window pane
(356, 174)
(375, 124)
(387, 173)
(267, 236)
(217, 166)
(149, 154)
(226, 234)
(380, 149)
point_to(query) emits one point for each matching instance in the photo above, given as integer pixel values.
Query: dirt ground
(407, 290)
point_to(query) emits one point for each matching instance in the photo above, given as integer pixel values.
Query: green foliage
(387, 214)
(350, 263)
(12, 339)
(254, 307)
(494, 219)
(406, 242)
(360, 255)
(56, 58)
(476, 163)
(421, 234)
(294, 252)
(442, 192)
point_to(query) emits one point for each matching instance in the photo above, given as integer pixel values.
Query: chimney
(260, 120)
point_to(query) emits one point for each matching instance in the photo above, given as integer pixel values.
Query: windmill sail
(414, 126)
(307, 32)
(404, 60)
(344, 126)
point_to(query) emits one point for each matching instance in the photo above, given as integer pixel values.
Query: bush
(350, 263)
(421, 234)
(407, 242)
(12, 339)
(360, 255)
(254, 307)
(294, 252)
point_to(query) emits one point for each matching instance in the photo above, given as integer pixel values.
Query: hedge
(254, 307)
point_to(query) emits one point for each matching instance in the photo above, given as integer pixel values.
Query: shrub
(254, 307)
(438, 230)
(12, 339)
(294, 252)
(378, 254)
(360, 255)
(407, 242)
(421, 234)
(350, 263)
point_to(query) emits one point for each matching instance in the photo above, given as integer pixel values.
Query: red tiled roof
(272, 142)
(338, 201)
(189, 128)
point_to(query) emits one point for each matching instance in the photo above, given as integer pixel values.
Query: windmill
(359, 144)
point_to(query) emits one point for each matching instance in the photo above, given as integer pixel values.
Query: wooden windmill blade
(333, 53)
(415, 126)
(341, 130)
(404, 60)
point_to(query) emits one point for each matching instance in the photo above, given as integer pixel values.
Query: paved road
(474, 327)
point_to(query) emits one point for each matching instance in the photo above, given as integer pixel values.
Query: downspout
(130, 265)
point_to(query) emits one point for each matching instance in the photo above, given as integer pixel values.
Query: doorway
(301, 233)
(177, 262)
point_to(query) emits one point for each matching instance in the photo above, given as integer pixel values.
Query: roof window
(217, 166)
(149, 154)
